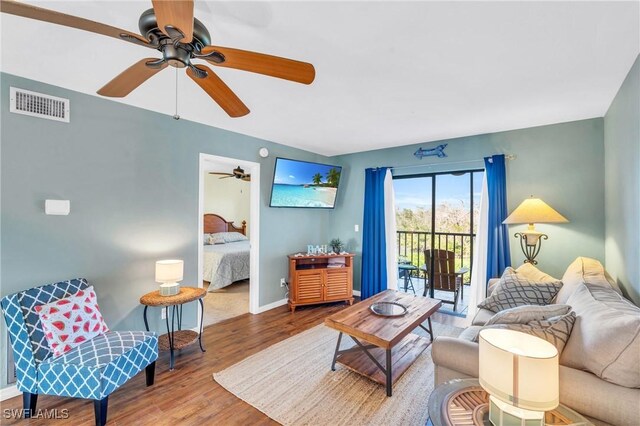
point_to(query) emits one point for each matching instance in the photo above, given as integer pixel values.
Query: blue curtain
(374, 247)
(498, 255)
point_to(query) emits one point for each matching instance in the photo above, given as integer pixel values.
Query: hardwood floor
(189, 395)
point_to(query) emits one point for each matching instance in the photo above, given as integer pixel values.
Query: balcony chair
(444, 276)
(92, 370)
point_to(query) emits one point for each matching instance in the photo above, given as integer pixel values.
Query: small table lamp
(169, 272)
(533, 210)
(520, 373)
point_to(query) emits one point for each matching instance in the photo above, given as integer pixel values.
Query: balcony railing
(411, 246)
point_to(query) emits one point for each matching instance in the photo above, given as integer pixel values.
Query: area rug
(227, 302)
(292, 383)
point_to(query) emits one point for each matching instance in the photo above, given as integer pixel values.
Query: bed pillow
(527, 313)
(216, 238)
(232, 237)
(516, 290)
(555, 330)
(69, 322)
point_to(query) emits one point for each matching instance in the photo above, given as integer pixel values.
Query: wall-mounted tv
(305, 185)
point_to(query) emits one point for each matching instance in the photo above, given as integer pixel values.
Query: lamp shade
(519, 369)
(534, 210)
(169, 271)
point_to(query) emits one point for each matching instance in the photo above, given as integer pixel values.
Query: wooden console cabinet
(312, 281)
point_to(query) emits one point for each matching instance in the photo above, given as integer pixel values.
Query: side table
(405, 270)
(175, 339)
(464, 402)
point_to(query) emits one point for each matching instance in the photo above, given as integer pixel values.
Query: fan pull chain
(176, 116)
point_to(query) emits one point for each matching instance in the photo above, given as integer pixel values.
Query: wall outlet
(283, 282)
(356, 228)
(163, 314)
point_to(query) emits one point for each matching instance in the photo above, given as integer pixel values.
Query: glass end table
(469, 402)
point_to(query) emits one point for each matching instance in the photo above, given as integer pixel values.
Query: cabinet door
(308, 286)
(338, 283)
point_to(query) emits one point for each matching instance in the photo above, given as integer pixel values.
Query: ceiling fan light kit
(171, 28)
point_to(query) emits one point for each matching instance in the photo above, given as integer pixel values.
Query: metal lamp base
(169, 289)
(530, 243)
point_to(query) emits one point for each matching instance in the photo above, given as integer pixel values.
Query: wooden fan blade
(33, 12)
(222, 174)
(247, 178)
(177, 14)
(274, 66)
(129, 79)
(226, 177)
(219, 92)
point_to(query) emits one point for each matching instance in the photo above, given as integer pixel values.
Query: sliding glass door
(437, 211)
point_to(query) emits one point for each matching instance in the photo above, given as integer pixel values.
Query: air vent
(39, 105)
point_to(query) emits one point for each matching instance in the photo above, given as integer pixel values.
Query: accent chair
(92, 370)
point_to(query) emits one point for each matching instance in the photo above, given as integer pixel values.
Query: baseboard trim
(356, 293)
(268, 307)
(9, 392)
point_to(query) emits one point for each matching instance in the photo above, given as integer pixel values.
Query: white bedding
(226, 263)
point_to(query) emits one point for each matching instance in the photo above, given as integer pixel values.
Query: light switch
(356, 228)
(57, 207)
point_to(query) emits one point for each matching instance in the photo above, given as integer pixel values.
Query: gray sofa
(600, 365)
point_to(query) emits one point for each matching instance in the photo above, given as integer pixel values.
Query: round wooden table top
(187, 294)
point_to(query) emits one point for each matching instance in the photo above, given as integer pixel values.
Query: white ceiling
(387, 73)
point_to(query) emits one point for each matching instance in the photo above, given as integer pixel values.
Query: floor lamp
(533, 210)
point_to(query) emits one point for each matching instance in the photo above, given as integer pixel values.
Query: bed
(224, 263)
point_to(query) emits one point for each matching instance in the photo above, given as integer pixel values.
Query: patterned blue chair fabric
(92, 370)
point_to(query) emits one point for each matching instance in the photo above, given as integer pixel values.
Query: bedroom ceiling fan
(170, 28)
(238, 173)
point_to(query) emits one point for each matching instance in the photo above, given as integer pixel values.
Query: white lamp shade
(169, 271)
(520, 369)
(534, 210)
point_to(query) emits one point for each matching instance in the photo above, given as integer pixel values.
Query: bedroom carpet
(292, 383)
(226, 303)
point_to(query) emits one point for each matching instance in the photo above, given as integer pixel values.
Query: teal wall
(132, 178)
(622, 184)
(562, 164)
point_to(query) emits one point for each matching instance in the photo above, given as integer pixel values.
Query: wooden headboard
(214, 223)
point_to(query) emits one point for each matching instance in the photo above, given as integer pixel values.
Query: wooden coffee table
(381, 340)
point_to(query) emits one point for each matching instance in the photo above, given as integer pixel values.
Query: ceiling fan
(171, 28)
(237, 173)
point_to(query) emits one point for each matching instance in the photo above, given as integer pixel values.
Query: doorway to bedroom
(228, 229)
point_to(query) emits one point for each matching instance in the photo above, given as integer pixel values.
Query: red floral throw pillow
(69, 322)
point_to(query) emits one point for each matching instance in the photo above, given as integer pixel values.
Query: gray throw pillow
(606, 337)
(525, 314)
(556, 330)
(515, 290)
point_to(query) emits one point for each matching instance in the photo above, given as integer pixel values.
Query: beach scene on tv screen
(300, 184)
